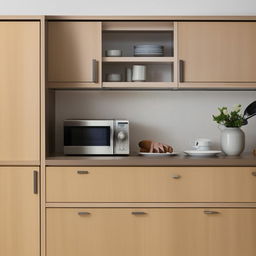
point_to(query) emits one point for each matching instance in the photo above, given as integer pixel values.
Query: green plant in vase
(232, 137)
(232, 118)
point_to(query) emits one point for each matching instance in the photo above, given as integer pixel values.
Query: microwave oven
(96, 137)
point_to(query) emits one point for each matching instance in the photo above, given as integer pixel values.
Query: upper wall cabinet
(217, 54)
(20, 90)
(74, 54)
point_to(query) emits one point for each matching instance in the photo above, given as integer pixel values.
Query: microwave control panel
(121, 141)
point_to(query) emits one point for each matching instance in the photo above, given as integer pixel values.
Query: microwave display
(87, 136)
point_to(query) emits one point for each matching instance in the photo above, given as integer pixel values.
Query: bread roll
(154, 147)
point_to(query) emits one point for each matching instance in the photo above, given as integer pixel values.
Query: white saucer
(202, 152)
(158, 154)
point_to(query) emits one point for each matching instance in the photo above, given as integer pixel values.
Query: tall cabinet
(19, 90)
(20, 136)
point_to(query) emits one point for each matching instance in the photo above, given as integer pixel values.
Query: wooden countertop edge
(151, 205)
(246, 161)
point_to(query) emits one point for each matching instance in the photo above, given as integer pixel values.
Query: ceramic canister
(139, 73)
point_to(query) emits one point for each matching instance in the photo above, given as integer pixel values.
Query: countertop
(135, 160)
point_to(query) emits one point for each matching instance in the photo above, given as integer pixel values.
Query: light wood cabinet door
(19, 212)
(19, 91)
(220, 52)
(94, 232)
(150, 184)
(231, 232)
(163, 232)
(74, 52)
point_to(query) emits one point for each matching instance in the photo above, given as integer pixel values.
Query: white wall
(129, 7)
(173, 117)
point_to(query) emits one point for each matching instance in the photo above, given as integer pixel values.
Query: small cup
(202, 144)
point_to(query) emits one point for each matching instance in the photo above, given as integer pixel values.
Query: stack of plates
(148, 50)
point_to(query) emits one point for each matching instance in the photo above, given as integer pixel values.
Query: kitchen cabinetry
(19, 211)
(20, 90)
(74, 54)
(222, 232)
(125, 36)
(217, 54)
(150, 184)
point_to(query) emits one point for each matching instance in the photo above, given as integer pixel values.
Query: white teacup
(202, 144)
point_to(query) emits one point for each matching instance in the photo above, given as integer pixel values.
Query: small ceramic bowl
(113, 53)
(113, 77)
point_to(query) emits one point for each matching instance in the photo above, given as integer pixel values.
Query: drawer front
(150, 232)
(151, 184)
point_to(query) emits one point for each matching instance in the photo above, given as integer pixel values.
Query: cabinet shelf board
(132, 85)
(217, 85)
(139, 59)
(137, 26)
(72, 85)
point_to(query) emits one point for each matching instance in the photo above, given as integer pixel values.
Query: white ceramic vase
(232, 141)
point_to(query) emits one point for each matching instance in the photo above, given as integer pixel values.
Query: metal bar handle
(82, 172)
(83, 213)
(211, 212)
(95, 71)
(181, 64)
(139, 213)
(176, 176)
(35, 181)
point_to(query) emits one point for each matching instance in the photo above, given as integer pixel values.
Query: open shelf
(138, 85)
(139, 59)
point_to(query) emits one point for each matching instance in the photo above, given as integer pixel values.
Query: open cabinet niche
(125, 36)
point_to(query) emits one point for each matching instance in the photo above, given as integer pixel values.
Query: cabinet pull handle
(211, 212)
(82, 172)
(176, 176)
(181, 64)
(95, 71)
(253, 173)
(35, 181)
(83, 213)
(139, 213)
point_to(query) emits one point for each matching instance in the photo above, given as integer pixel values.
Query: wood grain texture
(218, 51)
(130, 85)
(137, 26)
(72, 46)
(135, 160)
(154, 17)
(150, 205)
(20, 91)
(19, 212)
(43, 136)
(151, 184)
(160, 232)
(139, 59)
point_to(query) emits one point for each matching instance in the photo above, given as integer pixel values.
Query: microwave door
(90, 138)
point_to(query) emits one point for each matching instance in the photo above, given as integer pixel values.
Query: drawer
(150, 232)
(150, 184)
